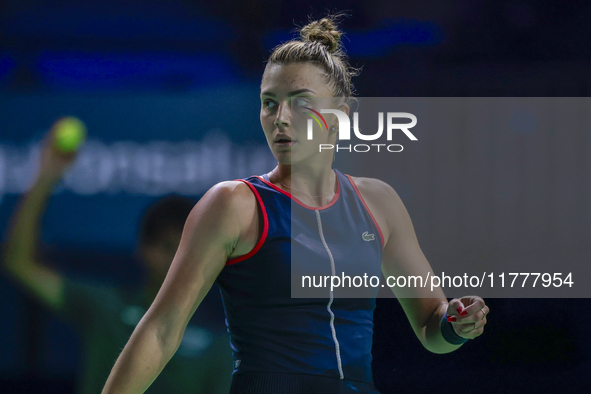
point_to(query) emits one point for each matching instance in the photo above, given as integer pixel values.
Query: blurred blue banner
(139, 147)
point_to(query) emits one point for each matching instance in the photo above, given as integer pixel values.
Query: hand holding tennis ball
(60, 148)
(70, 133)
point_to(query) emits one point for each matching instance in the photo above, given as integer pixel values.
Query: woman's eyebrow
(267, 93)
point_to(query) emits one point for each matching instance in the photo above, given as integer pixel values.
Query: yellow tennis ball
(70, 134)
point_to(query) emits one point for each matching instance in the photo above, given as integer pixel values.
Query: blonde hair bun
(323, 31)
(320, 44)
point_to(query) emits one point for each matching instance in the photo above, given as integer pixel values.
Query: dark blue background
(155, 70)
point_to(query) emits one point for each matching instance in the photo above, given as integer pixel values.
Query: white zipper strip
(334, 333)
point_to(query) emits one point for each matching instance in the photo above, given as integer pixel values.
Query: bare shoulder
(379, 192)
(228, 201)
(382, 201)
(373, 186)
(229, 195)
(229, 213)
(229, 191)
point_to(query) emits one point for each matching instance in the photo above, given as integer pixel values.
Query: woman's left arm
(402, 256)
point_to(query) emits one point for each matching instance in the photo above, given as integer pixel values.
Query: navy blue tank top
(272, 332)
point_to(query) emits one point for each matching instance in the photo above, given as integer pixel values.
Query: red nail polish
(451, 318)
(460, 309)
(464, 313)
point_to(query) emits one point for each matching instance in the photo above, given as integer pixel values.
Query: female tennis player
(243, 234)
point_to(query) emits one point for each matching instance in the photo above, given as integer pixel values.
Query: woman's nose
(283, 117)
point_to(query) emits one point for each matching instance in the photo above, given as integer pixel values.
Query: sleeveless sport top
(272, 332)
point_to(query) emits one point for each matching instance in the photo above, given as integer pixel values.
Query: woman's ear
(345, 108)
(334, 129)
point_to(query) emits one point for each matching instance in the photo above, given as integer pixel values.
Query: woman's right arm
(222, 225)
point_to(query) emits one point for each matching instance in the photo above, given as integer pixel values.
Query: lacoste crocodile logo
(368, 237)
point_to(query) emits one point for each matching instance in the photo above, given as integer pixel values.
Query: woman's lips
(284, 143)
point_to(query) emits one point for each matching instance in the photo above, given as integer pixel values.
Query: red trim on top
(330, 204)
(367, 208)
(265, 227)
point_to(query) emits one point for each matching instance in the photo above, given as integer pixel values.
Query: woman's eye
(300, 102)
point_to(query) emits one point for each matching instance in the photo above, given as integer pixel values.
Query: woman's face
(285, 92)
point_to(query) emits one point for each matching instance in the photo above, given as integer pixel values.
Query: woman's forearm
(140, 362)
(22, 242)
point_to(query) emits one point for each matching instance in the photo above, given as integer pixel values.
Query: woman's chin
(284, 160)
(284, 157)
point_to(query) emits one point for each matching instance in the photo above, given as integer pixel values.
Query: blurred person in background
(106, 315)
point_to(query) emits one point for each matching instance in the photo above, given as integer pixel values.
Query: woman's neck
(315, 187)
